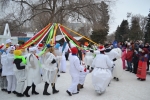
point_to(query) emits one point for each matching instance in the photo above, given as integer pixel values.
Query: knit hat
(17, 52)
(101, 48)
(74, 50)
(8, 41)
(40, 45)
(48, 46)
(57, 45)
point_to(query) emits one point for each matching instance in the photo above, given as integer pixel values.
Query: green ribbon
(21, 57)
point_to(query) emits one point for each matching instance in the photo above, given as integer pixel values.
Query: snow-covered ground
(128, 88)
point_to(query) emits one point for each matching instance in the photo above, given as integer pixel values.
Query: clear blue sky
(119, 11)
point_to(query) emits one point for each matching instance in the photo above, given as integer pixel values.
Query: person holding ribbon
(33, 71)
(50, 69)
(20, 72)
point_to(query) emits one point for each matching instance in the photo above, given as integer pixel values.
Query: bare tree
(59, 10)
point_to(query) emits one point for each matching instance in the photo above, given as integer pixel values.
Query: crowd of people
(34, 66)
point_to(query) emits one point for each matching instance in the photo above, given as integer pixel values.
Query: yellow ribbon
(80, 35)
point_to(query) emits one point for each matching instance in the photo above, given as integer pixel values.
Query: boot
(117, 79)
(33, 89)
(69, 93)
(9, 92)
(19, 95)
(54, 89)
(14, 92)
(78, 87)
(26, 91)
(45, 89)
(81, 87)
(88, 67)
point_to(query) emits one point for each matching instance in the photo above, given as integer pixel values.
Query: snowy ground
(128, 88)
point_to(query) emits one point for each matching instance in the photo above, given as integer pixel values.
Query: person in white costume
(39, 53)
(111, 54)
(33, 71)
(8, 44)
(82, 77)
(20, 72)
(101, 75)
(63, 49)
(50, 69)
(118, 70)
(3, 80)
(88, 59)
(58, 53)
(11, 79)
(74, 70)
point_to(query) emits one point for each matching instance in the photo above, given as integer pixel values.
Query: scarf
(21, 57)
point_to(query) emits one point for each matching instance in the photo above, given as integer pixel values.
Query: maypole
(44, 36)
(63, 36)
(79, 35)
(35, 36)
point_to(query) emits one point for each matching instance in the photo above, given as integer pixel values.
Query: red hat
(2, 46)
(40, 45)
(101, 48)
(74, 50)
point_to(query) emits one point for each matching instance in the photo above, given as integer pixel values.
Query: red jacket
(129, 55)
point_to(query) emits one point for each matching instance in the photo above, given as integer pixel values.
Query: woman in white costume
(50, 69)
(39, 53)
(88, 59)
(11, 79)
(3, 80)
(33, 72)
(58, 53)
(101, 74)
(118, 70)
(74, 70)
(63, 49)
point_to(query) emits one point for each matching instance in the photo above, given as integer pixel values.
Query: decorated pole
(63, 36)
(35, 36)
(44, 36)
(79, 34)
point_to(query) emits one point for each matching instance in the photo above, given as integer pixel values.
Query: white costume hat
(8, 41)
(11, 48)
(31, 49)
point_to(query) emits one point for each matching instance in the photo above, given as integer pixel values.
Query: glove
(84, 69)
(91, 69)
(114, 59)
(54, 61)
(91, 51)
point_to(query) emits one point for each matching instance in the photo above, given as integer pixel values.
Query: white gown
(74, 70)
(63, 59)
(49, 69)
(88, 59)
(118, 70)
(33, 70)
(11, 78)
(83, 76)
(101, 74)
